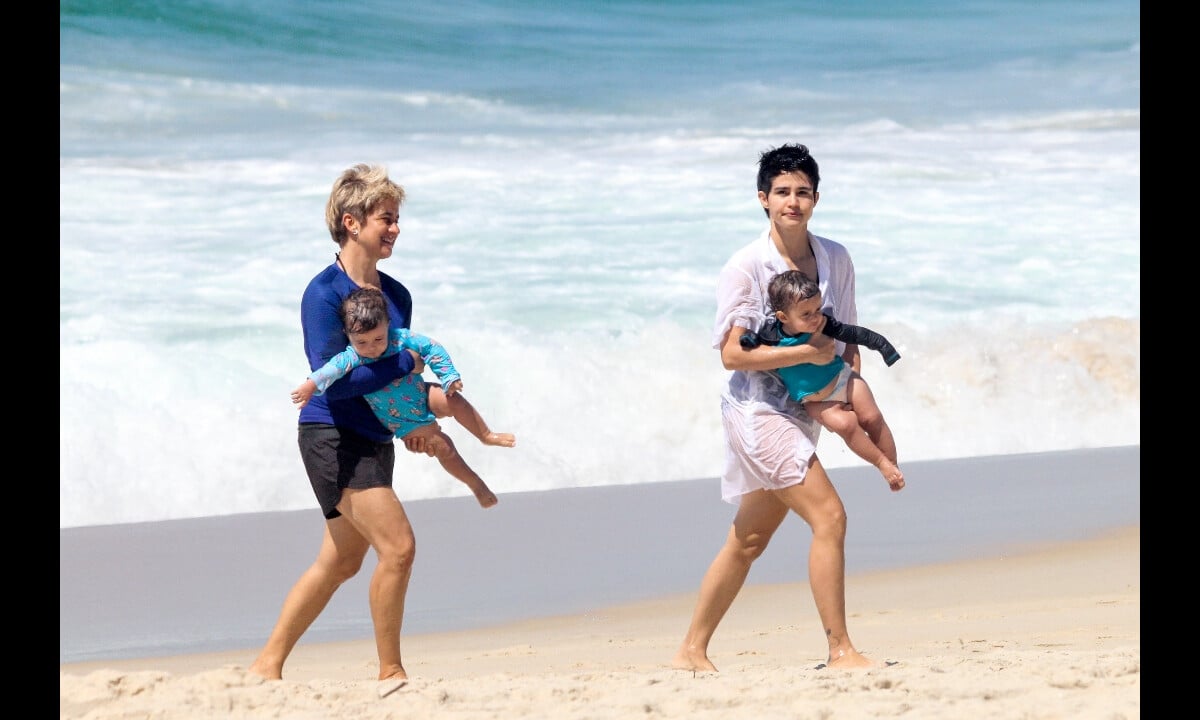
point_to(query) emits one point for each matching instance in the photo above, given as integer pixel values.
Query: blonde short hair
(359, 190)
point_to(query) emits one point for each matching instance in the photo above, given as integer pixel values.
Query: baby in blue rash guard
(403, 405)
(833, 394)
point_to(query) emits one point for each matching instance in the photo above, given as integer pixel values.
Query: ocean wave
(202, 431)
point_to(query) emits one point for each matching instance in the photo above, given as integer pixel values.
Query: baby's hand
(455, 387)
(304, 393)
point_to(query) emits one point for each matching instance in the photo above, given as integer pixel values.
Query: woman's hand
(420, 445)
(824, 347)
(819, 350)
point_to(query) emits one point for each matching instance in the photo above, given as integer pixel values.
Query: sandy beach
(1050, 631)
(1053, 633)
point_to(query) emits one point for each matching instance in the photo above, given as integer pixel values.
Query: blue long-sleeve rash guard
(343, 403)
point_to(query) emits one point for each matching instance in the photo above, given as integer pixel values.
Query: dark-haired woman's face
(790, 201)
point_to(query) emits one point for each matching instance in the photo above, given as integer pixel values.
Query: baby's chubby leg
(455, 405)
(838, 418)
(426, 439)
(454, 463)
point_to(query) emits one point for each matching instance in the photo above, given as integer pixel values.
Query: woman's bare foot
(263, 671)
(695, 660)
(850, 660)
(499, 439)
(891, 473)
(392, 683)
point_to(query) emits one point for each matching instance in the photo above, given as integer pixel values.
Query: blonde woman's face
(380, 230)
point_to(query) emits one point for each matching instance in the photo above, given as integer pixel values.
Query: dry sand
(1050, 633)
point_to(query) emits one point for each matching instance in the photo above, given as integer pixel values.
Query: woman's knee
(398, 553)
(749, 544)
(755, 548)
(829, 519)
(755, 524)
(345, 568)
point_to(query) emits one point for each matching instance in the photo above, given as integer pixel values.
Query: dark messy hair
(786, 158)
(363, 310)
(790, 287)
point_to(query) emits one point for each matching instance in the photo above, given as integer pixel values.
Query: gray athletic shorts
(336, 458)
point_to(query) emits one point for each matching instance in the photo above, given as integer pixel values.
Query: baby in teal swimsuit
(834, 394)
(403, 405)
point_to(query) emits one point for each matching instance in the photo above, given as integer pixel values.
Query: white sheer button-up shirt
(769, 438)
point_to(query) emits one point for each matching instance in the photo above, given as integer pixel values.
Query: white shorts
(764, 451)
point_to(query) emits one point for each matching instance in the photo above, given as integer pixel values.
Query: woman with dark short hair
(771, 465)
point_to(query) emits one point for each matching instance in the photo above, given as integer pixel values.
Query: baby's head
(796, 300)
(365, 320)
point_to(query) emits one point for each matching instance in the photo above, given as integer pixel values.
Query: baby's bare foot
(500, 439)
(891, 473)
(486, 498)
(483, 493)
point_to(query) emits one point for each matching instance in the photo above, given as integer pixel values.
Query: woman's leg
(758, 517)
(341, 555)
(379, 517)
(817, 501)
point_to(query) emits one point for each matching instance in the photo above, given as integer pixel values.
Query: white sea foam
(208, 429)
(563, 241)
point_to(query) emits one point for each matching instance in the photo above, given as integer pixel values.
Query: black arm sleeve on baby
(769, 335)
(859, 335)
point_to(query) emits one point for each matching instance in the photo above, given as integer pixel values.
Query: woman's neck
(793, 246)
(360, 268)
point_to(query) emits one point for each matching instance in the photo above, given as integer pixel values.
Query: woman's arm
(820, 349)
